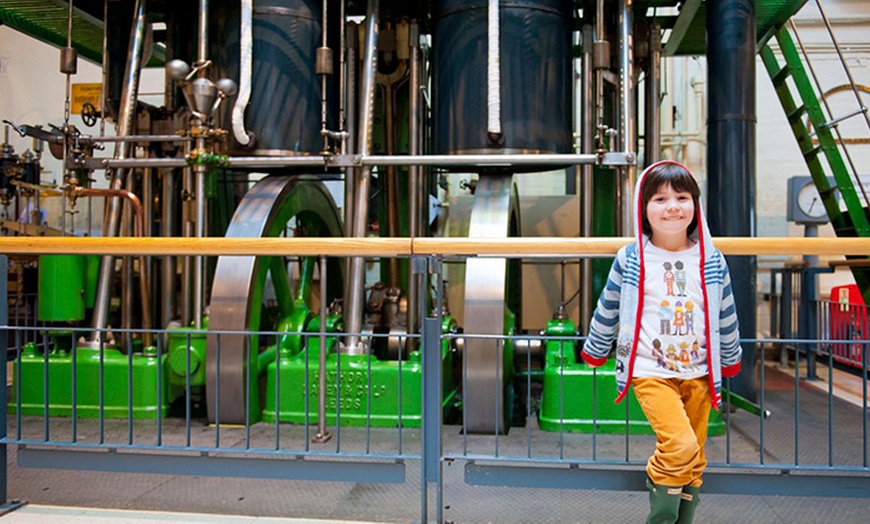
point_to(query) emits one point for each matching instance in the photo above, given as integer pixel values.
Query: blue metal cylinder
(535, 58)
(284, 112)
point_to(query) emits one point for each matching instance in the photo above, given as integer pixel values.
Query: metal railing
(385, 411)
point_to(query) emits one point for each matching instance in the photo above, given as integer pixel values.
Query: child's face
(670, 212)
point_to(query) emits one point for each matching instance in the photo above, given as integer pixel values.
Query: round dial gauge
(810, 202)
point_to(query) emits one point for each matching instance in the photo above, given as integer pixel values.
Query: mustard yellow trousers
(678, 411)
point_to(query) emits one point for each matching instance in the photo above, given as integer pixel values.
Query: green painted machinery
(577, 398)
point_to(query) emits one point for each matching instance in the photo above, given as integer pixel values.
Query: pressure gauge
(805, 205)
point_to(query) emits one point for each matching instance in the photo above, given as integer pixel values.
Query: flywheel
(269, 209)
(492, 307)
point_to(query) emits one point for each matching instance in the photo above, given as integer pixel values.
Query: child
(676, 398)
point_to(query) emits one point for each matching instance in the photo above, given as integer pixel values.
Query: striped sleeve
(605, 320)
(729, 331)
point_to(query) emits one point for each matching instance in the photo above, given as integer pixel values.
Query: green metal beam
(48, 21)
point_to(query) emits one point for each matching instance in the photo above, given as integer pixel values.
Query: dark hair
(676, 176)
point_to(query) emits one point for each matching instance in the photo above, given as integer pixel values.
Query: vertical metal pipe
(127, 298)
(392, 180)
(126, 123)
(587, 130)
(4, 342)
(187, 232)
(627, 123)
(200, 174)
(168, 286)
(147, 227)
(350, 124)
(342, 72)
(731, 155)
(324, 109)
(599, 75)
(414, 172)
(652, 121)
(356, 282)
(202, 43)
(199, 261)
(322, 433)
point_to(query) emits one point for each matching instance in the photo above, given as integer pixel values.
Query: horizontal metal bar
(137, 138)
(759, 482)
(340, 161)
(211, 466)
(484, 160)
(836, 121)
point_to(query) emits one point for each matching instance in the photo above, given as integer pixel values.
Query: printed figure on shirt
(669, 279)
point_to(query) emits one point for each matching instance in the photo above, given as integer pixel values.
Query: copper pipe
(79, 191)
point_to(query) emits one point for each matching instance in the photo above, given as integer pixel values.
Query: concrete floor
(57, 495)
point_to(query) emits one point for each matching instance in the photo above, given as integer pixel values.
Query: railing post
(4, 339)
(5, 505)
(808, 320)
(785, 311)
(431, 394)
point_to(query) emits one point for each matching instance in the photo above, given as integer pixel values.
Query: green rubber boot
(688, 504)
(664, 503)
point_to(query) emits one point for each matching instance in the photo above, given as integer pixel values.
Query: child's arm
(729, 331)
(605, 320)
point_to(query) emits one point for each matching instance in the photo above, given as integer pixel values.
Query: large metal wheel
(232, 384)
(492, 307)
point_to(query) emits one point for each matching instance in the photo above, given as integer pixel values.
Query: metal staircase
(819, 139)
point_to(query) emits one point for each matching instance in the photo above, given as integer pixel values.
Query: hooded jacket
(619, 311)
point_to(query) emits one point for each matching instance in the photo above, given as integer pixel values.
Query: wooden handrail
(403, 247)
(512, 247)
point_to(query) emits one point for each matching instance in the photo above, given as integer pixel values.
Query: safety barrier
(371, 415)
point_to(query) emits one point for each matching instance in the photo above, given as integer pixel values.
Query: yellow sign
(82, 93)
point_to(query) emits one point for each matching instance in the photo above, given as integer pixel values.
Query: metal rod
(200, 231)
(627, 124)
(126, 123)
(652, 122)
(168, 267)
(415, 174)
(342, 72)
(350, 123)
(199, 179)
(202, 43)
(323, 103)
(136, 138)
(506, 160)
(354, 299)
(599, 74)
(322, 433)
(392, 180)
(187, 232)
(586, 193)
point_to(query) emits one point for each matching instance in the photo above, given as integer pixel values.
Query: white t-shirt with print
(672, 342)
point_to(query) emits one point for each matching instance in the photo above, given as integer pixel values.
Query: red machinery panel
(848, 322)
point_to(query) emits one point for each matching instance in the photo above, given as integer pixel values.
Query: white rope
(493, 70)
(246, 56)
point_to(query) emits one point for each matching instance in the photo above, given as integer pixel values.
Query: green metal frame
(855, 221)
(583, 402)
(361, 390)
(89, 383)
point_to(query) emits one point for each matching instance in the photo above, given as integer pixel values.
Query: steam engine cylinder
(535, 56)
(284, 110)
